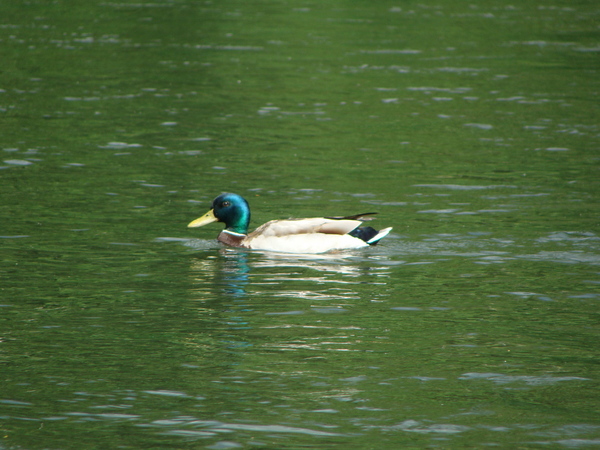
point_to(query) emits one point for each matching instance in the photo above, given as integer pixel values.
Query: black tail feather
(361, 217)
(364, 233)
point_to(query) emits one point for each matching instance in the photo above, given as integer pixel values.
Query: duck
(308, 236)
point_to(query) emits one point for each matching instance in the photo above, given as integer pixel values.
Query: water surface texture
(473, 128)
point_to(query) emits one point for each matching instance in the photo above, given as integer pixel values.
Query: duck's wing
(281, 228)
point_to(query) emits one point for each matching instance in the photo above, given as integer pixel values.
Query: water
(471, 129)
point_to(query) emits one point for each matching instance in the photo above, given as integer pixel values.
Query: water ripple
(500, 378)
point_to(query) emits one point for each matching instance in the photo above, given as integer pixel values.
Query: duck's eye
(225, 204)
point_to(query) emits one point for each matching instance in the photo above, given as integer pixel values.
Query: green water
(473, 129)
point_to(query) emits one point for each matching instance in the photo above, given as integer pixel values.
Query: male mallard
(314, 235)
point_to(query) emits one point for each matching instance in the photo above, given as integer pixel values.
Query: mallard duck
(313, 235)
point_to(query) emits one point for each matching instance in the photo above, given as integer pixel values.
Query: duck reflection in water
(229, 271)
(243, 292)
(237, 274)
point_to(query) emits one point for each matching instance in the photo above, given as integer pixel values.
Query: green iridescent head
(231, 209)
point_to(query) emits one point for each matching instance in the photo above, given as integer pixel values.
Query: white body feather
(305, 243)
(314, 235)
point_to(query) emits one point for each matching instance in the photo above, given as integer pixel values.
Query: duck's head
(231, 209)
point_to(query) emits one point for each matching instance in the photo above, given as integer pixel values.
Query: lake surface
(473, 129)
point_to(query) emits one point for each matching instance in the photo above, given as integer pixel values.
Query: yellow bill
(207, 218)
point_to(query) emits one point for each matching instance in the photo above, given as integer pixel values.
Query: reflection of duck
(314, 235)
